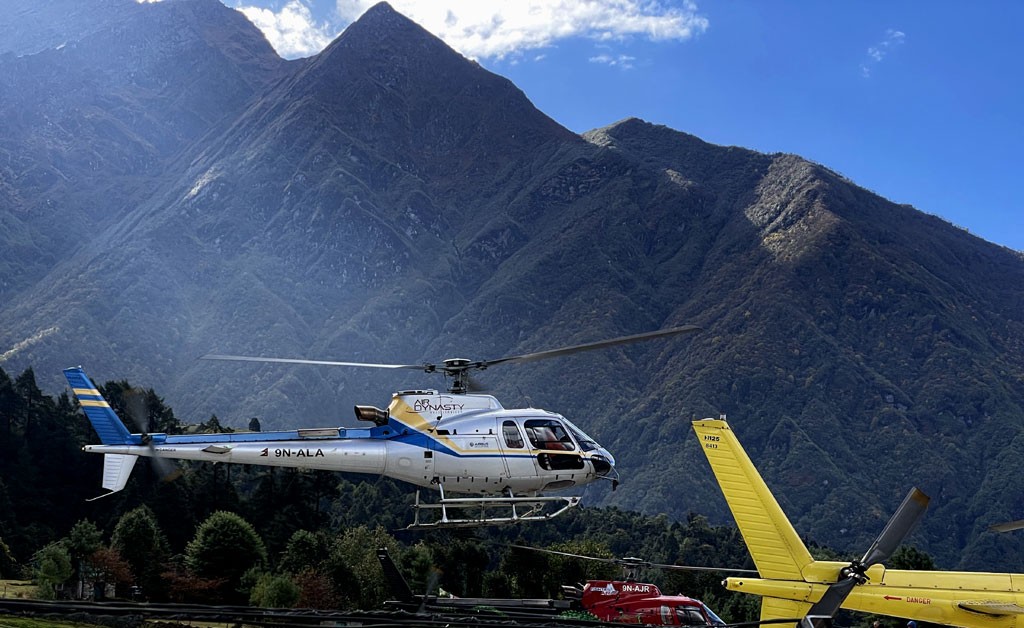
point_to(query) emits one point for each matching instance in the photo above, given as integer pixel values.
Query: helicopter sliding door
(468, 459)
(521, 465)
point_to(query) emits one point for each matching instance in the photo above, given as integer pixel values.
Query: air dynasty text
(425, 405)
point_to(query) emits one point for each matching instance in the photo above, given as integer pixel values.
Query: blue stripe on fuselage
(394, 430)
(416, 438)
(405, 434)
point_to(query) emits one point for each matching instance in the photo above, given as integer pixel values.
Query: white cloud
(499, 28)
(876, 53)
(623, 61)
(292, 31)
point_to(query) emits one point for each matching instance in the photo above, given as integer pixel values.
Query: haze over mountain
(169, 188)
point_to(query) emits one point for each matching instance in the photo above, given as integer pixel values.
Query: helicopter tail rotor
(137, 408)
(899, 526)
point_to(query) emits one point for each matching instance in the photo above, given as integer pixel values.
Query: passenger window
(513, 439)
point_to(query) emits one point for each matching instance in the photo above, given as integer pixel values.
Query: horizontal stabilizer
(116, 469)
(774, 609)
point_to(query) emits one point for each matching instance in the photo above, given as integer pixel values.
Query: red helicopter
(630, 602)
(616, 601)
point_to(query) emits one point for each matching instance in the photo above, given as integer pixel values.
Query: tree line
(289, 537)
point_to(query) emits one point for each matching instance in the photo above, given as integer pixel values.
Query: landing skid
(487, 511)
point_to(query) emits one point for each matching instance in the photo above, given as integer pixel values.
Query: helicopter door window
(548, 439)
(548, 434)
(689, 616)
(510, 432)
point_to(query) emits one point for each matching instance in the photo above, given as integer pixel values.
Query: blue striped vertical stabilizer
(109, 428)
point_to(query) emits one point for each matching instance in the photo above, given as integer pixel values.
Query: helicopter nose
(603, 463)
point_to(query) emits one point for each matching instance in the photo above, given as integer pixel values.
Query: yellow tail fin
(774, 545)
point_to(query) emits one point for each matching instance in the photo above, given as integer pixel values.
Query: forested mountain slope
(390, 201)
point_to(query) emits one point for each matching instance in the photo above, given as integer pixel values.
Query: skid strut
(471, 512)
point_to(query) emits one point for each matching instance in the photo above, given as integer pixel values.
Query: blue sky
(922, 103)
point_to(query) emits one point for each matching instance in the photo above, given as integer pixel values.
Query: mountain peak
(381, 25)
(387, 80)
(381, 11)
(631, 129)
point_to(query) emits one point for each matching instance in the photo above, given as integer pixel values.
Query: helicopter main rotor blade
(600, 344)
(458, 368)
(634, 562)
(245, 358)
(694, 568)
(1008, 526)
(610, 561)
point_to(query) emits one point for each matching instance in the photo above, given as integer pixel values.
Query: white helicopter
(455, 443)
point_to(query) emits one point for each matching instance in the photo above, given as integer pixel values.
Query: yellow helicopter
(501, 462)
(792, 584)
